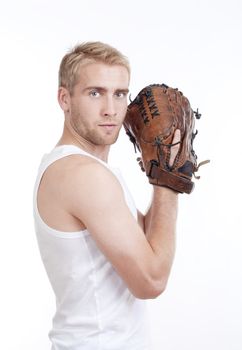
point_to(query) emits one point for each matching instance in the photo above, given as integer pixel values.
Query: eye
(94, 93)
(120, 94)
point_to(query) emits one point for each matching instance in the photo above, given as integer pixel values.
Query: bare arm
(142, 262)
(159, 226)
(160, 229)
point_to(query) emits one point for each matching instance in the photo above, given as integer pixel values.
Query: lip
(108, 124)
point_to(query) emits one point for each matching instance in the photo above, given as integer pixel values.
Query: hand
(175, 148)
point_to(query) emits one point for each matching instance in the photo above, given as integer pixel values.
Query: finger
(175, 148)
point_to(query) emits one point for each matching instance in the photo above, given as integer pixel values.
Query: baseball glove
(151, 120)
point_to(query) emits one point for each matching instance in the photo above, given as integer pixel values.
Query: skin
(70, 198)
(95, 111)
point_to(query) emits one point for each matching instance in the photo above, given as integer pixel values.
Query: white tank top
(94, 308)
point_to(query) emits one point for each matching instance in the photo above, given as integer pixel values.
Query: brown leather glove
(151, 120)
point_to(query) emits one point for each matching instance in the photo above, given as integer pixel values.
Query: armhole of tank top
(48, 229)
(68, 151)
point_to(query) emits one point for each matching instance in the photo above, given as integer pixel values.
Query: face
(98, 104)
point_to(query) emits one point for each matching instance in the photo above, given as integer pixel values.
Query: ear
(64, 99)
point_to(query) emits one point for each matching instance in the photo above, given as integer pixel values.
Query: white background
(193, 45)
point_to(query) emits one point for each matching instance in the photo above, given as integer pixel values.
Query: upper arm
(97, 199)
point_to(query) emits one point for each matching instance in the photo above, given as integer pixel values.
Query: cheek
(79, 110)
(124, 110)
(88, 106)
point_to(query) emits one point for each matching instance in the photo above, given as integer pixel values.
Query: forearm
(160, 230)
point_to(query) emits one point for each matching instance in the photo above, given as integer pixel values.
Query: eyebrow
(103, 89)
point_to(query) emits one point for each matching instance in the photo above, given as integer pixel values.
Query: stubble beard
(95, 138)
(92, 135)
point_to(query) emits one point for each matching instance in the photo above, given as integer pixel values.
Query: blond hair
(89, 52)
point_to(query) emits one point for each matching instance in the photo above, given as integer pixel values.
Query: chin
(101, 140)
(108, 143)
(108, 140)
(113, 140)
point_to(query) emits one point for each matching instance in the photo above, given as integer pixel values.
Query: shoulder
(74, 167)
(81, 178)
(84, 169)
(88, 189)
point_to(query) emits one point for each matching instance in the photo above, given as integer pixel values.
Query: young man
(102, 257)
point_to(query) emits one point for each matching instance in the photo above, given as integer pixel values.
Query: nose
(109, 109)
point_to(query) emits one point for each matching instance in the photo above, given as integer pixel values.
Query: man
(102, 257)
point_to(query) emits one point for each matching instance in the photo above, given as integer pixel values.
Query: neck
(70, 137)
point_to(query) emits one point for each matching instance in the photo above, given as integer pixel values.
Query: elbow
(150, 290)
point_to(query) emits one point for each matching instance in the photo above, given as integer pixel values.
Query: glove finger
(174, 95)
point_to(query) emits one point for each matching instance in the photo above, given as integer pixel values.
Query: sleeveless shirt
(94, 308)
